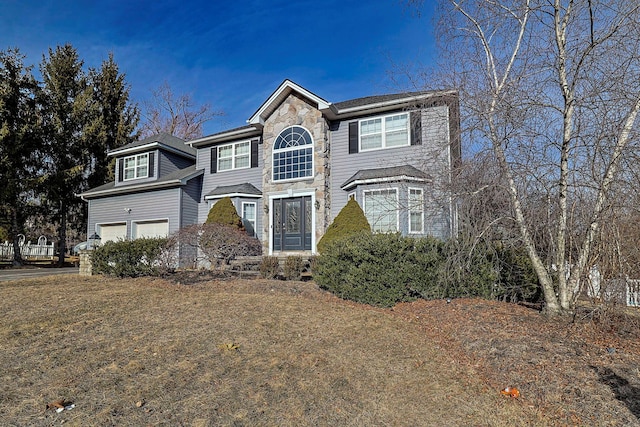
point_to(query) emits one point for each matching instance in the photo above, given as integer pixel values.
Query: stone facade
(295, 110)
(86, 266)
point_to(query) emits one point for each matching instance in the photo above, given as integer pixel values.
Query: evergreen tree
(66, 104)
(18, 143)
(223, 212)
(114, 119)
(350, 220)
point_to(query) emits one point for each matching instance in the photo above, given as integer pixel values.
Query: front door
(292, 224)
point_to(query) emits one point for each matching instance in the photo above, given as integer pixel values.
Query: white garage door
(112, 232)
(151, 229)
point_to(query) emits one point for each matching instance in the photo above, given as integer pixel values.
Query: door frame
(288, 195)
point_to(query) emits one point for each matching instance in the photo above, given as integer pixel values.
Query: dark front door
(292, 224)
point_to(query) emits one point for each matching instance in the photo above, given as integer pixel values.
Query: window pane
(242, 162)
(381, 209)
(225, 164)
(396, 139)
(370, 142)
(396, 123)
(242, 148)
(371, 126)
(142, 159)
(416, 209)
(225, 151)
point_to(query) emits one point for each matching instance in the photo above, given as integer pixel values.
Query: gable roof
(239, 190)
(175, 179)
(279, 95)
(162, 140)
(390, 174)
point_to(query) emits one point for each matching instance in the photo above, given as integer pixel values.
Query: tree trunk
(17, 255)
(62, 234)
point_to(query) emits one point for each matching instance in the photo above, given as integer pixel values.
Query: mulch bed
(579, 371)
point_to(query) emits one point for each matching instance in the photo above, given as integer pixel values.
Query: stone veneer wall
(295, 110)
(86, 266)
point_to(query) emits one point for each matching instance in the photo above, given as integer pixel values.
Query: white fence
(29, 251)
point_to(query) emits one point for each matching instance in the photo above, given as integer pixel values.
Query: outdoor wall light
(127, 210)
(266, 208)
(317, 205)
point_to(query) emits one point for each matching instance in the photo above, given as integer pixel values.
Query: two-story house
(292, 168)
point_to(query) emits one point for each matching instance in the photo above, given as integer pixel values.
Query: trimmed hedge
(350, 220)
(223, 212)
(385, 269)
(129, 258)
(379, 269)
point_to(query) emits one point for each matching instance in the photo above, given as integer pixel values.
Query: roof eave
(141, 187)
(398, 178)
(155, 144)
(225, 136)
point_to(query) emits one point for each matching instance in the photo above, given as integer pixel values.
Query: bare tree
(175, 115)
(550, 88)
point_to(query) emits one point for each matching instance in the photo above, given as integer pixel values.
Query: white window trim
(421, 190)
(255, 211)
(383, 145)
(293, 148)
(364, 204)
(233, 156)
(136, 158)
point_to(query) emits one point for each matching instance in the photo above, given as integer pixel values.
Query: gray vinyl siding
(190, 198)
(432, 156)
(231, 177)
(152, 205)
(170, 162)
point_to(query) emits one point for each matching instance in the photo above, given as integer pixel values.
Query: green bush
(269, 267)
(384, 269)
(223, 212)
(350, 220)
(380, 269)
(129, 258)
(293, 267)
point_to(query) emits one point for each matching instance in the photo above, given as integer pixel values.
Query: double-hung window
(136, 166)
(381, 210)
(234, 156)
(416, 210)
(249, 217)
(384, 132)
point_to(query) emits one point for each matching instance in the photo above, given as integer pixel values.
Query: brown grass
(273, 353)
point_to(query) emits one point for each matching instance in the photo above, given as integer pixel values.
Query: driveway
(7, 274)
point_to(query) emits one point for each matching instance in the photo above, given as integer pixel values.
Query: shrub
(223, 243)
(129, 258)
(223, 212)
(350, 220)
(215, 243)
(293, 267)
(380, 269)
(269, 267)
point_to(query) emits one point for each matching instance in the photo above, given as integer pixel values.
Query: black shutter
(254, 153)
(120, 170)
(416, 128)
(214, 159)
(151, 165)
(353, 137)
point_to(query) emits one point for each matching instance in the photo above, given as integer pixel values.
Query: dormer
(151, 158)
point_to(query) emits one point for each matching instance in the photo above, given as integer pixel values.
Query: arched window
(293, 154)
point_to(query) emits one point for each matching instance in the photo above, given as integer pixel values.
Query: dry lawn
(271, 353)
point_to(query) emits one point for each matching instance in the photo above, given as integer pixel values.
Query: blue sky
(231, 54)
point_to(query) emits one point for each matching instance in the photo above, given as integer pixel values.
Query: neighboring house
(292, 168)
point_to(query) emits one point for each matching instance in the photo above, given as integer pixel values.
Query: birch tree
(550, 87)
